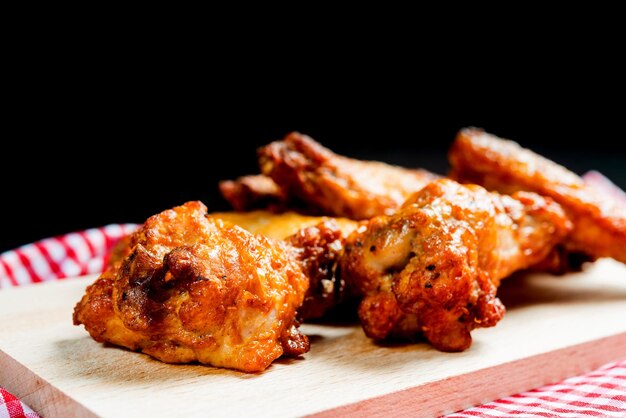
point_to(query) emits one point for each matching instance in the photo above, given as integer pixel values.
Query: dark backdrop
(100, 152)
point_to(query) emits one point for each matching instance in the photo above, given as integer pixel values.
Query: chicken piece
(253, 192)
(435, 265)
(599, 218)
(317, 243)
(199, 289)
(336, 185)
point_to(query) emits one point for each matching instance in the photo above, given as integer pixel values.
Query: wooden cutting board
(554, 327)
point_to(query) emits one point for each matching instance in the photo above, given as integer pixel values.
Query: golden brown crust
(599, 218)
(197, 289)
(442, 256)
(336, 185)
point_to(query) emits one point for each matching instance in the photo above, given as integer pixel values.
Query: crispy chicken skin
(599, 218)
(317, 244)
(199, 289)
(435, 265)
(336, 185)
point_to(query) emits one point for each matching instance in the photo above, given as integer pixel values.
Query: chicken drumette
(434, 266)
(599, 217)
(199, 289)
(335, 185)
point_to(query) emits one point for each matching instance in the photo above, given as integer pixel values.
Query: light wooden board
(554, 328)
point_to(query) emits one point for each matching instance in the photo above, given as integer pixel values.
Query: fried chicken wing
(434, 266)
(317, 243)
(199, 289)
(599, 218)
(337, 185)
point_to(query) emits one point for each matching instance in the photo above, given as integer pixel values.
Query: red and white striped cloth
(71, 255)
(11, 407)
(601, 393)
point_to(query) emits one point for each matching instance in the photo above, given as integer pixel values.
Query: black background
(118, 147)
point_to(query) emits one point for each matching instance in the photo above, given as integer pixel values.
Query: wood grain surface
(554, 327)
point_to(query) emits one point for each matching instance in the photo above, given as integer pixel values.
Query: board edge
(41, 396)
(477, 387)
